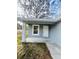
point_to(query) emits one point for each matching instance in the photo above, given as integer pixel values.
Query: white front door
(45, 31)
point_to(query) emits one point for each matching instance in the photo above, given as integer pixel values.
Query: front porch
(39, 29)
(37, 33)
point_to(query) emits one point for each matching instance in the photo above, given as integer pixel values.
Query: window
(35, 29)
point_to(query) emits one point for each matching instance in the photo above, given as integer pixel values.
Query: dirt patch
(33, 51)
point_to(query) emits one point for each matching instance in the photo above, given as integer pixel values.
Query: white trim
(33, 29)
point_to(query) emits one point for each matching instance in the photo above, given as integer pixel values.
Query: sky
(55, 8)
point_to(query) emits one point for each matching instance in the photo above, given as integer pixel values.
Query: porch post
(24, 32)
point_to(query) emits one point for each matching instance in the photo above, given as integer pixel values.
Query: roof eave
(38, 21)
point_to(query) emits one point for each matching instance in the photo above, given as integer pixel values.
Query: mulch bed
(33, 51)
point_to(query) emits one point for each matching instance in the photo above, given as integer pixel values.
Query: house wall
(55, 33)
(40, 32)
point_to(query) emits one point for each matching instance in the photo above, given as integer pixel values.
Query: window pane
(35, 29)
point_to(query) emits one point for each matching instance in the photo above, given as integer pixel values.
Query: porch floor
(37, 40)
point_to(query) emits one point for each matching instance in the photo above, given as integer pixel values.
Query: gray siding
(55, 34)
(40, 32)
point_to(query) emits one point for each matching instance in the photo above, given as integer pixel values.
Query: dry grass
(19, 37)
(33, 51)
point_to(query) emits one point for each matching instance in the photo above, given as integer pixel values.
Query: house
(44, 31)
(41, 30)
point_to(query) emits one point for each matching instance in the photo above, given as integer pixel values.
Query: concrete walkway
(55, 50)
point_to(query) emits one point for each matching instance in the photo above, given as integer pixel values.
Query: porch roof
(38, 21)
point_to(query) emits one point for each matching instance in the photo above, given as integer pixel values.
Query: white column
(24, 32)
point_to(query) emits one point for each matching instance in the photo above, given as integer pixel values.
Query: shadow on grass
(33, 51)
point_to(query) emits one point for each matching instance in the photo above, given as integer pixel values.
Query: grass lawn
(19, 37)
(31, 50)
